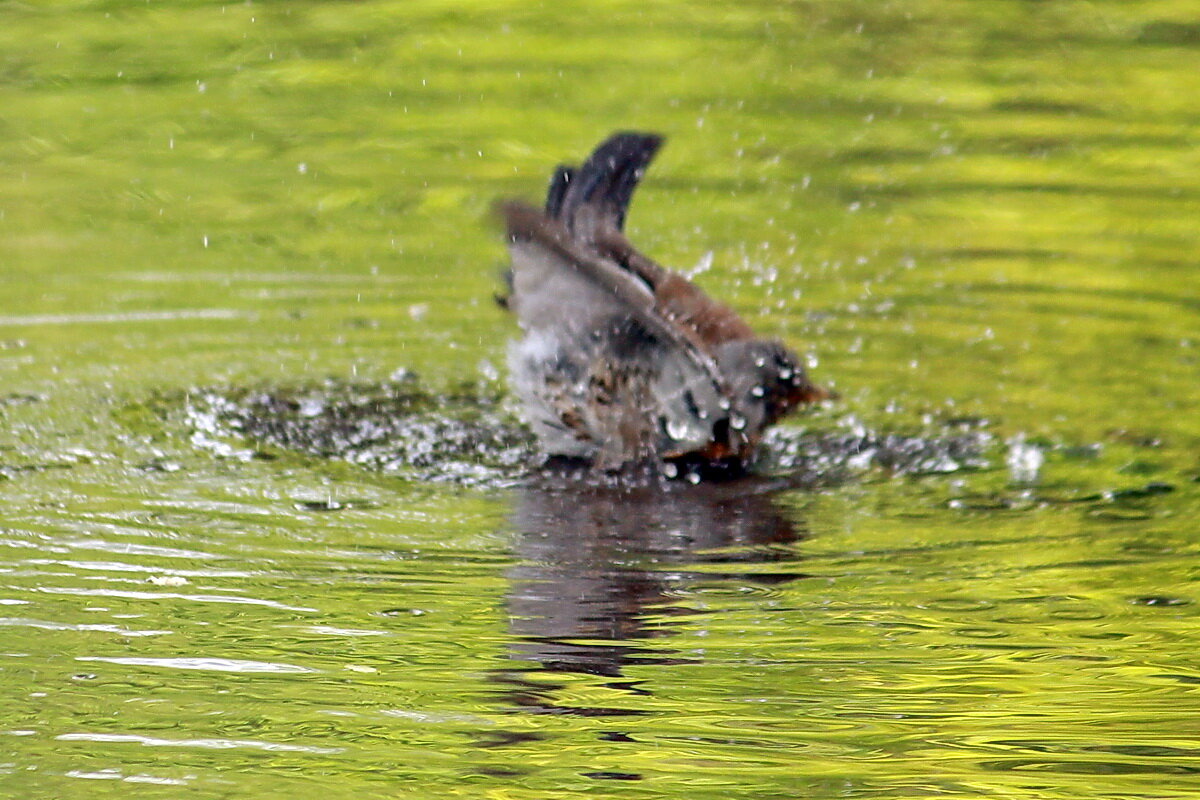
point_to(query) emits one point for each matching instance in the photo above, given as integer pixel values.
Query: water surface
(978, 220)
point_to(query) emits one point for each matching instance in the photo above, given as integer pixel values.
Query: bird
(623, 362)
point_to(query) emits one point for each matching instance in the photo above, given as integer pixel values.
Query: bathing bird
(623, 361)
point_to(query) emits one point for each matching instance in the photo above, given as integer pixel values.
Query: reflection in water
(597, 561)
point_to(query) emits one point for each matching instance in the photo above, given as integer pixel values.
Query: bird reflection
(600, 566)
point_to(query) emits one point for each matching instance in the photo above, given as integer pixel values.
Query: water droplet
(757, 391)
(670, 469)
(693, 478)
(1024, 460)
(677, 429)
(737, 422)
(311, 406)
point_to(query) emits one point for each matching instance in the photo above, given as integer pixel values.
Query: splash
(467, 436)
(459, 436)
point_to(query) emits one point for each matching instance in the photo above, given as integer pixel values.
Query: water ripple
(117, 775)
(214, 744)
(205, 664)
(119, 566)
(332, 631)
(128, 316)
(197, 598)
(63, 626)
(127, 548)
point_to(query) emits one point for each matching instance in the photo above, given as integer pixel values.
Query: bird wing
(591, 203)
(565, 292)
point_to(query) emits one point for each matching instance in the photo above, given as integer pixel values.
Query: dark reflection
(600, 566)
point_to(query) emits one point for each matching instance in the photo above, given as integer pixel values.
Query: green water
(978, 211)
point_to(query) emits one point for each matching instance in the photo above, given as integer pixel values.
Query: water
(974, 575)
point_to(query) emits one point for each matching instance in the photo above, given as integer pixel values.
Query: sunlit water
(268, 525)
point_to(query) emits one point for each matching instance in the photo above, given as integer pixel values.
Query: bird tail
(593, 199)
